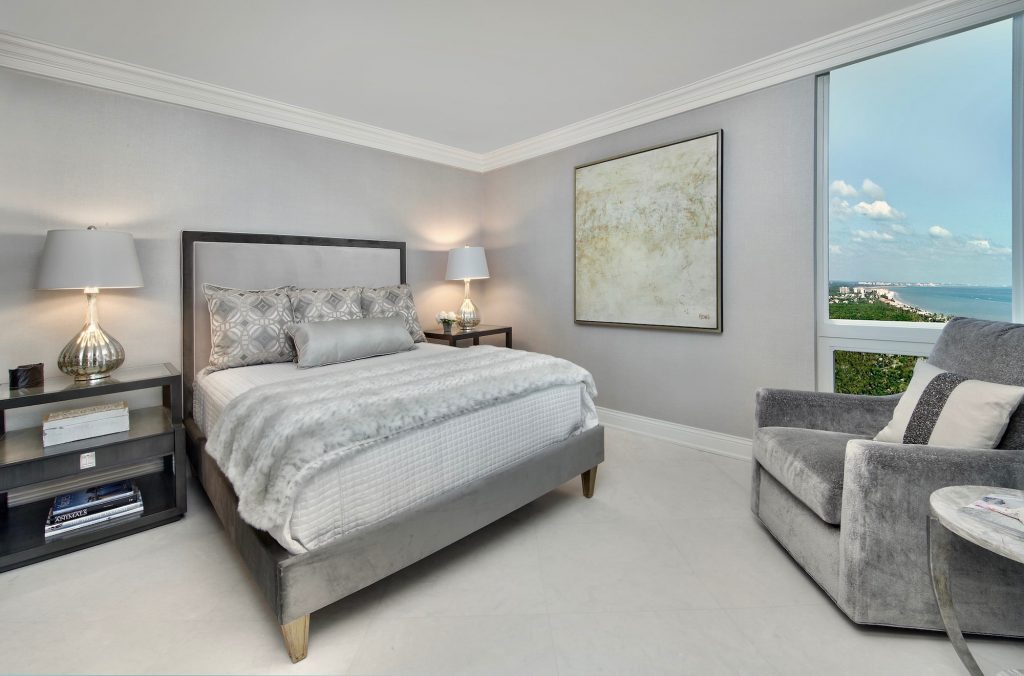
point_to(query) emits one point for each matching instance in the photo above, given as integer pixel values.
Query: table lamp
(467, 263)
(89, 259)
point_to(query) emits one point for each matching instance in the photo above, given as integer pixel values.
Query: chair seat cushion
(807, 462)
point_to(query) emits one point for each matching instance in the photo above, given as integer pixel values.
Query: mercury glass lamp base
(469, 315)
(93, 354)
(90, 377)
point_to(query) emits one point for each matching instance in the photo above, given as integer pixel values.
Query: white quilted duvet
(400, 473)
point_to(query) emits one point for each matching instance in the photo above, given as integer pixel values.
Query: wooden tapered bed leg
(589, 481)
(296, 637)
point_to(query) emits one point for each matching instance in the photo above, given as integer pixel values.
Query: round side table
(948, 518)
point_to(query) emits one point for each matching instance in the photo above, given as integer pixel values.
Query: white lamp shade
(468, 262)
(79, 259)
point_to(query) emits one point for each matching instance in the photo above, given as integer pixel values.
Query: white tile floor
(663, 571)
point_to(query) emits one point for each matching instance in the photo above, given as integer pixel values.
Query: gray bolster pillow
(341, 340)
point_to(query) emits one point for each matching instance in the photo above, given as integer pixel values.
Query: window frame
(911, 338)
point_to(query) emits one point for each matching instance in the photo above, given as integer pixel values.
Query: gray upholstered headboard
(252, 261)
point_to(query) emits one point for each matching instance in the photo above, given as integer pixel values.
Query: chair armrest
(849, 413)
(890, 474)
(883, 533)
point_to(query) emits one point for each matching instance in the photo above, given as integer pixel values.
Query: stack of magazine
(93, 508)
(1001, 510)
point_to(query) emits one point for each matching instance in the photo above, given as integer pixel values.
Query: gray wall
(72, 156)
(702, 380)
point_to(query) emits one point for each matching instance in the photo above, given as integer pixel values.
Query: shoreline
(920, 302)
(897, 302)
(875, 297)
(987, 303)
(982, 301)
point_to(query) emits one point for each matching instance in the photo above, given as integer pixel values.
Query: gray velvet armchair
(852, 511)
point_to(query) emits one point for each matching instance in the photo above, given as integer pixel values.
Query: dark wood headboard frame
(189, 239)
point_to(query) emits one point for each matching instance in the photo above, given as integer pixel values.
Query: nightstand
(152, 452)
(475, 333)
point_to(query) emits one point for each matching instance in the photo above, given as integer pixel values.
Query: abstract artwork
(649, 238)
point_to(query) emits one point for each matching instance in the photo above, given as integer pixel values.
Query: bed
(365, 517)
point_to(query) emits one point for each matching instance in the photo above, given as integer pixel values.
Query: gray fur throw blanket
(273, 438)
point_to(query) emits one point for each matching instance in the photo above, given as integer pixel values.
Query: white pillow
(941, 408)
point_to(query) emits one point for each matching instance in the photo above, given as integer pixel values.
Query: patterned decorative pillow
(391, 301)
(248, 327)
(322, 305)
(945, 409)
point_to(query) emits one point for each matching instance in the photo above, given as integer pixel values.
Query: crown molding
(40, 58)
(892, 31)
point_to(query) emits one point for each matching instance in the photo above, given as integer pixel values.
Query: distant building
(844, 289)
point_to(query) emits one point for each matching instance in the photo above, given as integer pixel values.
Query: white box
(61, 427)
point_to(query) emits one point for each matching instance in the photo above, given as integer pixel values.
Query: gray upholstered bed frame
(297, 585)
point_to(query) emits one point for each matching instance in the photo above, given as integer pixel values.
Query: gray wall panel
(702, 380)
(72, 156)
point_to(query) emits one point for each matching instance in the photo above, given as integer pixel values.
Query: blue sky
(920, 163)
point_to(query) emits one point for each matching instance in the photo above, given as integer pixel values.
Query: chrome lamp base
(468, 314)
(93, 354)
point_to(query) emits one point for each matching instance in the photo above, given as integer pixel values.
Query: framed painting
(649, 238)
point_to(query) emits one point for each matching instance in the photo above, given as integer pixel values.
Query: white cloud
(835, 249)
(878, 210)
(949, 243)
(872, 189)
(984, 246)
(900, 228)
(874, 234)
(839, 208)
(842, 188)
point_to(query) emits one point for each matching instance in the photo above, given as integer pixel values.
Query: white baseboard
(708, 441)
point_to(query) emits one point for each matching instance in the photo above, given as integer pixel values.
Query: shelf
(481, 329)
(24, 461)
(64, 388)
(31, 474)
(21, 530)
(26, 445)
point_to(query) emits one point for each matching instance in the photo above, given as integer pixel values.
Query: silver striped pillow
(941, 408)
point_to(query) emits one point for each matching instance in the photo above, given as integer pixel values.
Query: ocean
(981, 302)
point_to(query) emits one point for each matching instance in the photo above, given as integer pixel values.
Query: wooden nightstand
(475, 333)
(152, 452)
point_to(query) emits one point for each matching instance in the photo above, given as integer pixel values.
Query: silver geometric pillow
(321, 305)
(389, 301)
(248, 327)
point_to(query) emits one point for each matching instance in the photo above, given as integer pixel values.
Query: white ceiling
(473, 74)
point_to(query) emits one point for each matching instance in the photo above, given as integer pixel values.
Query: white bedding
(402, 472)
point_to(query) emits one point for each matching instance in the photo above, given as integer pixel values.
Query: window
(872, 372)
(919, 186)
